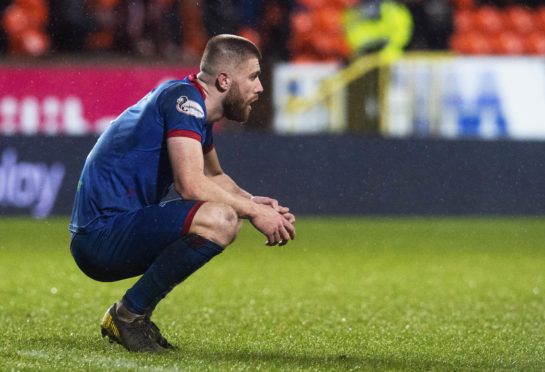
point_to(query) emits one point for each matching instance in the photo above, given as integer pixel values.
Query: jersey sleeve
(184, 112)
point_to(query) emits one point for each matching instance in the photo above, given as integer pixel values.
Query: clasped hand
(275, 221)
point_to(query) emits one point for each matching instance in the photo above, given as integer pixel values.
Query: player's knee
(228, 225)
(217, 222)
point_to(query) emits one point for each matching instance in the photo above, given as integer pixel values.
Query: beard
(234, 106)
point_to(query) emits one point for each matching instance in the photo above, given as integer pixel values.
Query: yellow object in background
(392, 29)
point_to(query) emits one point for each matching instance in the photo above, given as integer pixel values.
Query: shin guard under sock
(177, 262)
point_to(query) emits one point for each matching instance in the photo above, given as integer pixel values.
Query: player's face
(245, 90)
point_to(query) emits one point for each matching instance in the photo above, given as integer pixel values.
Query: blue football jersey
(129, 168)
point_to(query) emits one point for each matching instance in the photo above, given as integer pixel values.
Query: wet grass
(349, 293)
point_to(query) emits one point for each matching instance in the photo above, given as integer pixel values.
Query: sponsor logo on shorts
(189, 107)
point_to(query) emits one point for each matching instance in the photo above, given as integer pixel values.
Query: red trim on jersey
(207, 149)
(193, 80)
(184, 133)
(190, 216)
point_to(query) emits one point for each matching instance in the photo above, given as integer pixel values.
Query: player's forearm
(203, 188)
(227, 183)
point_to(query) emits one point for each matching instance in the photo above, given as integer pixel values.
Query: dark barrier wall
(357, 175)
(314, 174)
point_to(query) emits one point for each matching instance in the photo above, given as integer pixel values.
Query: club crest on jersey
(189, 107)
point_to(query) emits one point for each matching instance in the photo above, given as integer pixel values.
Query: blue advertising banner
(466, 97)
(38, 174)
(313, 175)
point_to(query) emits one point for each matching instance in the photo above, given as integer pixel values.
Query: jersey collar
(193, 80)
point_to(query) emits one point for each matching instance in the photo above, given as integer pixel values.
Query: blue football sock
(177, 262)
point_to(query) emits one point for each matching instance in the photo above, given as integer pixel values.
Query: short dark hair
(227, 49)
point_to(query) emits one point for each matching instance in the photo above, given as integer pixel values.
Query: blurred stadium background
(420, 107)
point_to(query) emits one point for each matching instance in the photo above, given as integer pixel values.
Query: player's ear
(223, 81)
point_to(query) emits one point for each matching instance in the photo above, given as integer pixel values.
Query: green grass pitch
(348, 294)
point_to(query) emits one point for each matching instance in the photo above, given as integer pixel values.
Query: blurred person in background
(172, 29)
(68, 25)
(104, 21)
(169, 29)
(151, 27)
(266, 23)
(3, 36)
(25, 22)
(223, 16)
(194, 35)
(432, 24)
(507, 3)
(274, 27)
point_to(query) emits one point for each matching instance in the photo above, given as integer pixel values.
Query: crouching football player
(122, 228)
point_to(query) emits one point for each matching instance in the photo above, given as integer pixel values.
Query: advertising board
(466, 97)
(313, 175)
(38, 174)
(75, 100)
(32, 186)
(302, 80)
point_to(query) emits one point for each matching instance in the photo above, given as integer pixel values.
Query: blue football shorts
(131, 241)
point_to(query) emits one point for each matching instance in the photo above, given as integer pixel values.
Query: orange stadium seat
(535, 43)
(327, 20)
(330, 46)
(318, 34)
(250, 34)
(464, 21)
(36, 10)
(463, 4)
(314, 4)
(508, 42)
(488, 19)
(302, 29)
(539, 18)
(15, 20)
(343, 3)
(471, 43)
(519, 19)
